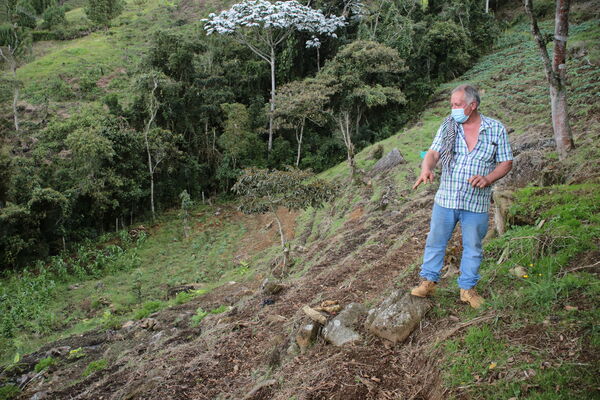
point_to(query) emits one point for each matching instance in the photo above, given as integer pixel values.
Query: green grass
(44, 363)
(107, 299)
(94, 366)
(572, 228)
(62, 70)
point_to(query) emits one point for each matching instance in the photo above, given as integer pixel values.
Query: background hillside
(66, 324)
(85, 105)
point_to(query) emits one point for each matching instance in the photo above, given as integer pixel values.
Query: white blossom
(281, 15)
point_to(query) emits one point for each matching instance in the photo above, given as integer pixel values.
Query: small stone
(518, 271)
(128, 325)
(270, 287)
(275, 318)
(39, 396)
(306, 336)
(56, 352)
(150, 323)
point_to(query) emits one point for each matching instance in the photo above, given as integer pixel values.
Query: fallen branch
(314, 315)
(449, 332)
(259, 386)
(563, 273)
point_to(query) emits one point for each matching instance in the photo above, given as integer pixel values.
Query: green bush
(44, 363)
(8, 392)
(148, 308)
(53, 16)
(199, 316)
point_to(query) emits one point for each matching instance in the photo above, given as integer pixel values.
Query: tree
(14, 42)
(186, 205)
(103, 11)
(556, 73)
(262, 26)
(265, 191)
(299, 101)
(364, 74)
(158, 142)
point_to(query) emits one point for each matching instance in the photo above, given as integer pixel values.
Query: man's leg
(474, 227)
(443, 221)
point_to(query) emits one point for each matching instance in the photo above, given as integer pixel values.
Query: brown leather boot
(424, 289)
(470, 296)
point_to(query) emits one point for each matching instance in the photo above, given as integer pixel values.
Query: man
(474, 153)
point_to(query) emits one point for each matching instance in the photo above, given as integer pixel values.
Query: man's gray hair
(471, 93)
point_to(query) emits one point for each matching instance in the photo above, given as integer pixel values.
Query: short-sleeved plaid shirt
(492, 147)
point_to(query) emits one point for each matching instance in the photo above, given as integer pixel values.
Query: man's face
(457, 100)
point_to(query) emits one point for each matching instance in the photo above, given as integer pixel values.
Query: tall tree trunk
(556, 73)
(272, 108)
(346, 130)
(15, 98)
(299, 140)
(153, 109)
(282, 237)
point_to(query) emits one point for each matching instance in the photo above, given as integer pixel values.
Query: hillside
(228, 338)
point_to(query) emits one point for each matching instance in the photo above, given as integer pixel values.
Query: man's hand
(426, 176)
(479, 181)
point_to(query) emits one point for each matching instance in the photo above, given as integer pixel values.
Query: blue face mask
(459, 115)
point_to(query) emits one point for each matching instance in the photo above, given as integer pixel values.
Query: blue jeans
(443, 221)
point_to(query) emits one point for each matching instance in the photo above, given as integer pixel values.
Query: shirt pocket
(487, 150)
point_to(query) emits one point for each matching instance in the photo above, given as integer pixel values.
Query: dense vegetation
(190, 111)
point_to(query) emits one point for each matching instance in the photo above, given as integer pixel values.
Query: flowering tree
(262, 26)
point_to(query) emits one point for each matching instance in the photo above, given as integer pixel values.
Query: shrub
(148, 308)
(44, 363)
(94, 366)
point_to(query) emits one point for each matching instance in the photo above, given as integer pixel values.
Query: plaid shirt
(492, 147)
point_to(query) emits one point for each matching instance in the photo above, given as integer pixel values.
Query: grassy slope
(540, 344)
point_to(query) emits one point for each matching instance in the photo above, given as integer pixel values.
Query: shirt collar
(485, 123)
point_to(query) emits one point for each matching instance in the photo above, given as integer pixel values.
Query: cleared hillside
(537, 337)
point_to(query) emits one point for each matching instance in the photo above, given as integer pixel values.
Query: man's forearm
(501, 169)
(430, 160)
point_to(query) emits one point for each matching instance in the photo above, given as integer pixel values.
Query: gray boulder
(397, 316)
(341, 329)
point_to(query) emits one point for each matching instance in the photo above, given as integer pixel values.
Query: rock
(532, 167)
(270, 287)
(150, 324)
(518, 271)
(390, 160)
(306, 335)
(128, 325)
(183, 288)
(275, 318)
(56, 352)
(341, 330)
(39, 396)
(397, 316)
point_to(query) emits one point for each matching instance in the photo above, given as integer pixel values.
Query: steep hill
(536, 338)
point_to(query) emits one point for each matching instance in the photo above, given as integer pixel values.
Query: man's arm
(427, 166)
(501, 169)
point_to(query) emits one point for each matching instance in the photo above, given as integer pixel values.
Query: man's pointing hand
(425, 177)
